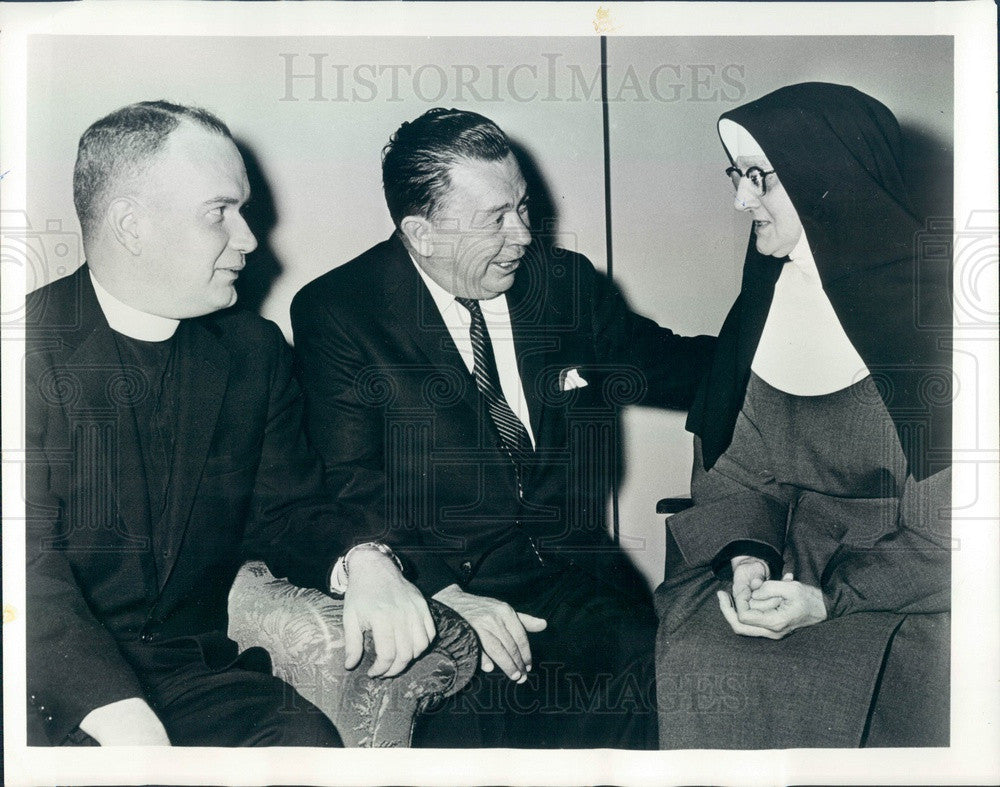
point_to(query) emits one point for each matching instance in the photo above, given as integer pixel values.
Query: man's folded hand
(379, 599)
(501, 630)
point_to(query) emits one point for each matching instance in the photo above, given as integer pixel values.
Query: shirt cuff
(338, 577)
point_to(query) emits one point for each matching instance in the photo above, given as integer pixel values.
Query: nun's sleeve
(729, 519)
(906, 571)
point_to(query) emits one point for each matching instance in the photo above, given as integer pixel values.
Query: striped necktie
(513, 436)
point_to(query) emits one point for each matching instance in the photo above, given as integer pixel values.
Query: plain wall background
(677, 243)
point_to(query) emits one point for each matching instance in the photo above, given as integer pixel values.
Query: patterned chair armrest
(302, 630)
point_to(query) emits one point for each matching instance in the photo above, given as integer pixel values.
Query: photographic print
(581, 393)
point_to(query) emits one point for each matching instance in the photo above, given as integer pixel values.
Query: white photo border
(973, 755)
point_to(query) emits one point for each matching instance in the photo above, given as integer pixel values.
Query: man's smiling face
(480, 230)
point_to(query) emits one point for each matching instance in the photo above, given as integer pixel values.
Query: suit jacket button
(467, 569)
(146, 638)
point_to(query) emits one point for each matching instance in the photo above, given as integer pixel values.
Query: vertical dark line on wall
(616, 453)
(607, 154)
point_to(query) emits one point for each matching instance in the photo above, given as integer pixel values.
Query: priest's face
(473, 244)
(776, 223)
(194, 238)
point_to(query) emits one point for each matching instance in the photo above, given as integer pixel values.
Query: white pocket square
(570, 380)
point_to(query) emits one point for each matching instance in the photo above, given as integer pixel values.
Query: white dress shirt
(803, 349)
(130, 321)
(497, 318)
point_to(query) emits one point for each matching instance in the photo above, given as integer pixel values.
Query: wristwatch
(339, 576)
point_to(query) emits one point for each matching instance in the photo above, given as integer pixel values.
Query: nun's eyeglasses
(756, 176)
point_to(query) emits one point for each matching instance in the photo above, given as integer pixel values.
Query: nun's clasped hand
(775, 609)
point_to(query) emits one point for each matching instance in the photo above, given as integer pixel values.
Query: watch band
(339, 577)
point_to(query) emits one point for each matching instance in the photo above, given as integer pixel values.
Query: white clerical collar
(130, 321)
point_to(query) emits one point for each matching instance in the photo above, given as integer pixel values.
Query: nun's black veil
(837, 153)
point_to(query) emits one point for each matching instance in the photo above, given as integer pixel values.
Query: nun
(807, 590)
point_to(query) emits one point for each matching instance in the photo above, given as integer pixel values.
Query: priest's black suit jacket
(107, 591)
(397, 418)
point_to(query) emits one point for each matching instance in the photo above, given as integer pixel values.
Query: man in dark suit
(165, 445)
(462, 383)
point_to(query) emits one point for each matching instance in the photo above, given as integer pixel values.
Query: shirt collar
(442, 298)
(131, 322)
(494, 310)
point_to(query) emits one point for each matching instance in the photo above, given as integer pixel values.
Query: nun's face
(775, 220)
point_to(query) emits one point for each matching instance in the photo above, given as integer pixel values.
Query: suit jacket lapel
(531, 342)
(104, 386)
(202, 368)
(416, 320)
(105, 389)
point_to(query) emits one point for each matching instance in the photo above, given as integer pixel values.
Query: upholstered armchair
(302, 630)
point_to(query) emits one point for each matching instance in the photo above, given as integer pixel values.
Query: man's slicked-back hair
(417, 159)
(120, 147)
